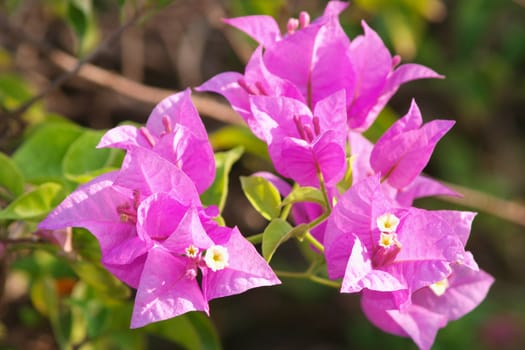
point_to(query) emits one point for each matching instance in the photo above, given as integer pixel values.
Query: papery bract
(418, 251)
(108, 212)
(304, 144)
(431, 307)
(175, 131)
(399, 156)
(181, 238)
(405, 148)
(313, 61)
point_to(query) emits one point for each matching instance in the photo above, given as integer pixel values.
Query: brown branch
(72, 70)
(502, 208)
(137, 91)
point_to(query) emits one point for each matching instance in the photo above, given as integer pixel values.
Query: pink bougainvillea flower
(405, 148)
(431, 307)
(421, 186)
(265, 30)
(156, 236)
(107, 211)
(314, 60)
(302, 144)
(185, 243)
(175, 131)
(373, 243)
(107, 207)
(400, 155)
(378, 77)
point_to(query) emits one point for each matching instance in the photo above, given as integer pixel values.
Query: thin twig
(503, 208)
(71, 71)
(137, 91)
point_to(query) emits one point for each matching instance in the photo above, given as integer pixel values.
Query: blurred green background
(479, 45)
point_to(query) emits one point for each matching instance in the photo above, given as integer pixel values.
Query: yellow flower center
(386, 240)
(216, 258)
(387, 222)
(440, 287)
(192, 251)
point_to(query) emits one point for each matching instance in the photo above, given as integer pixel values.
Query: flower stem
(308, 276)
(313, 241)
(255, 239)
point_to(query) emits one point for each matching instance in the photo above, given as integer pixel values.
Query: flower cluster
(309, 94)
(154, 233)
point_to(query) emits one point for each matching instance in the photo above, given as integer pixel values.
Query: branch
(73, 69)
(505, 209)
(137, 91)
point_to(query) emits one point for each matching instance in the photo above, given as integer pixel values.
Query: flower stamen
(304, 19)
(440, 287)
(216, 258)
(292, 25)
(148, 136)
(387, 223)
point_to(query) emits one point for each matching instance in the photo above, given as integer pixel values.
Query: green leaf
(305, 194)
(83, 161)
(34, 204)
(263, 196)
(218, 191)
(13, 91)
(192, 330)
(100, 279)
(238, 135)
(44, 296)
(276, 233)
(81, 17)
(40, 156)
(11, 178)
(86, 245)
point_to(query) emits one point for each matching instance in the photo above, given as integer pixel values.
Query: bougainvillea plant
(309, 94)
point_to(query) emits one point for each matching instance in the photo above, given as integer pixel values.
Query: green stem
(325, 281)
(286, 211)
(255, 239)
(308, 276)
(313, 241)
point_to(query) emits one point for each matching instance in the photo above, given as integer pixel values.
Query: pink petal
(189, 232)
(180, 110)
(420, 324)
(416, 322)
(246, 270)
(262, 28)
(123, 137)
(275, 116)
(359, 273)
(406, 73)
(93, 206)
(291, 58)
(331, 112)
(194, 156)
(372, 62)
(331, 66)
(467, 289)
(147, 172)
(330, 156)
(164, 290)
(126, 260)
(423, 186)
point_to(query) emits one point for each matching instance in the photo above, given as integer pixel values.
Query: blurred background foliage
(51, 299)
